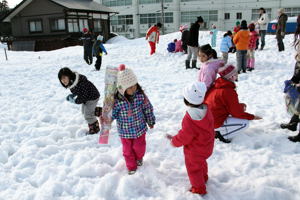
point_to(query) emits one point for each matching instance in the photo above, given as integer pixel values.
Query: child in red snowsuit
(197, 135)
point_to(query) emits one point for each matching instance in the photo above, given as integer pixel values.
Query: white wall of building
(222, 6)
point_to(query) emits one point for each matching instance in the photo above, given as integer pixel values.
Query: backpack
(292, 98)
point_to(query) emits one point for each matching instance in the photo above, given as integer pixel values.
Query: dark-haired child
(251, 48)
(83, 92)
(210, 65)
(197, 136)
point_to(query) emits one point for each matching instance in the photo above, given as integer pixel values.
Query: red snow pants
(153, 47)
(196, 167)
(133, 150)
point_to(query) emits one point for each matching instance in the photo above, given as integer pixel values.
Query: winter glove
(282, 34)
(71, 98)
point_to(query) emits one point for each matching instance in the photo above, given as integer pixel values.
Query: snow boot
(194, 64)
(292, 125)
(139, 162)
(221, 138)
(94, 128)
(187, 64)
(295, 138)
(201, 191)
(131, 172)
(98, 111)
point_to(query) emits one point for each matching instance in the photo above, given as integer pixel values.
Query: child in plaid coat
(133, 111)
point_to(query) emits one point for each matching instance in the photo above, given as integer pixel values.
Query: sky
(13, 3)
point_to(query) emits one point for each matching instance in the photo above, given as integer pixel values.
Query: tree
(5, 28)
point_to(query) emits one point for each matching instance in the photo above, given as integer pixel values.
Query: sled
(108, 103)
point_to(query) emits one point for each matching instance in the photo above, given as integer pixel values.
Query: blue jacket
(226, 44)
(171, 47)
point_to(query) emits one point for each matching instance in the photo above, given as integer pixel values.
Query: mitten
(282, 34)
(71, 98)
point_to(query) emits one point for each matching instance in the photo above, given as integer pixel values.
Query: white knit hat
(195, 93)
(126, 79)
(100, 37)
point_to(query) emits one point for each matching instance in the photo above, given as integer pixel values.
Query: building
(51, 24)
(135, 16)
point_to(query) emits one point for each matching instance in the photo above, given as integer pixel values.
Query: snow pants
(196, 167)
(241, 60)
(152, 47)
(133, 150)
(192, 53)
(98, 62)
(225, 57)
(88, 54)
(251, 58)
(232, 126)
(88, 111)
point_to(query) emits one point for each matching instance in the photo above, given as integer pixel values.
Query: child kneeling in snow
(171, 46)
(83, 92)
(197, 135)
(133, 111)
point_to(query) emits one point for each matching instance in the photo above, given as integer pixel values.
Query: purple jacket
(208, 71)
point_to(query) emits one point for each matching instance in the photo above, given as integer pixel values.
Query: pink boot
(251, 63)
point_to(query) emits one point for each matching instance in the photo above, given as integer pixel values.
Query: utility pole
(162, 16)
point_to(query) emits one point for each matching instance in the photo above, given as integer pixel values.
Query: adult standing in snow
(193, 43)
(152, 36)
(292, 125)
(184, 37)
(230, 116)
(196, 136)
(87, 40)
(280, 28)
(262, 23)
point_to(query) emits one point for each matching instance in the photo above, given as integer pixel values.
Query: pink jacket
(178, 46)
(208, 71)
(253, 38)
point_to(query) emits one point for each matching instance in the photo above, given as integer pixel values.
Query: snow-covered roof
(70, 4)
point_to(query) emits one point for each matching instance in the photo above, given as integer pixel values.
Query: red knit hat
(227, 71)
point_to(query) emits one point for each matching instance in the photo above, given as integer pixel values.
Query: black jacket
(87, 40)
(185, 37)
(84, 89)
(194, 35)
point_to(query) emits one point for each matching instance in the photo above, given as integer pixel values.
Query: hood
(78, 78)
(197, 113)
(223, 83)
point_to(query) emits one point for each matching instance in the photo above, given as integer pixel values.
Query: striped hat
(227, 71)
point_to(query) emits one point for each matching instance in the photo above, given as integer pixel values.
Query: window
(291, 12)
(111, 3)
(153, 1)
(83, 23)
(238, 15)
(207, 15)
(227, 16)
(73, 25)
(35, 26)
(97, 25)
(57, 24)
(152, 18)
(255, 14)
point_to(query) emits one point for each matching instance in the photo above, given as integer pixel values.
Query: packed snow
(45, 154)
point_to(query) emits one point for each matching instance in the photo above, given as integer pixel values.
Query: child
(236, 28)
(241, 40)
(184, 37)
(178, 46)
(210, 65)
(226, 44)
(171, 46)
(83, 92)
(133, 111)
(214, 33)
(251, 47)
(98, 50)
(197, 135)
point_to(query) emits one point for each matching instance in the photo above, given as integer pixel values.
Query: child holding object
(197, 136)
(83, 92)
(133, 112)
